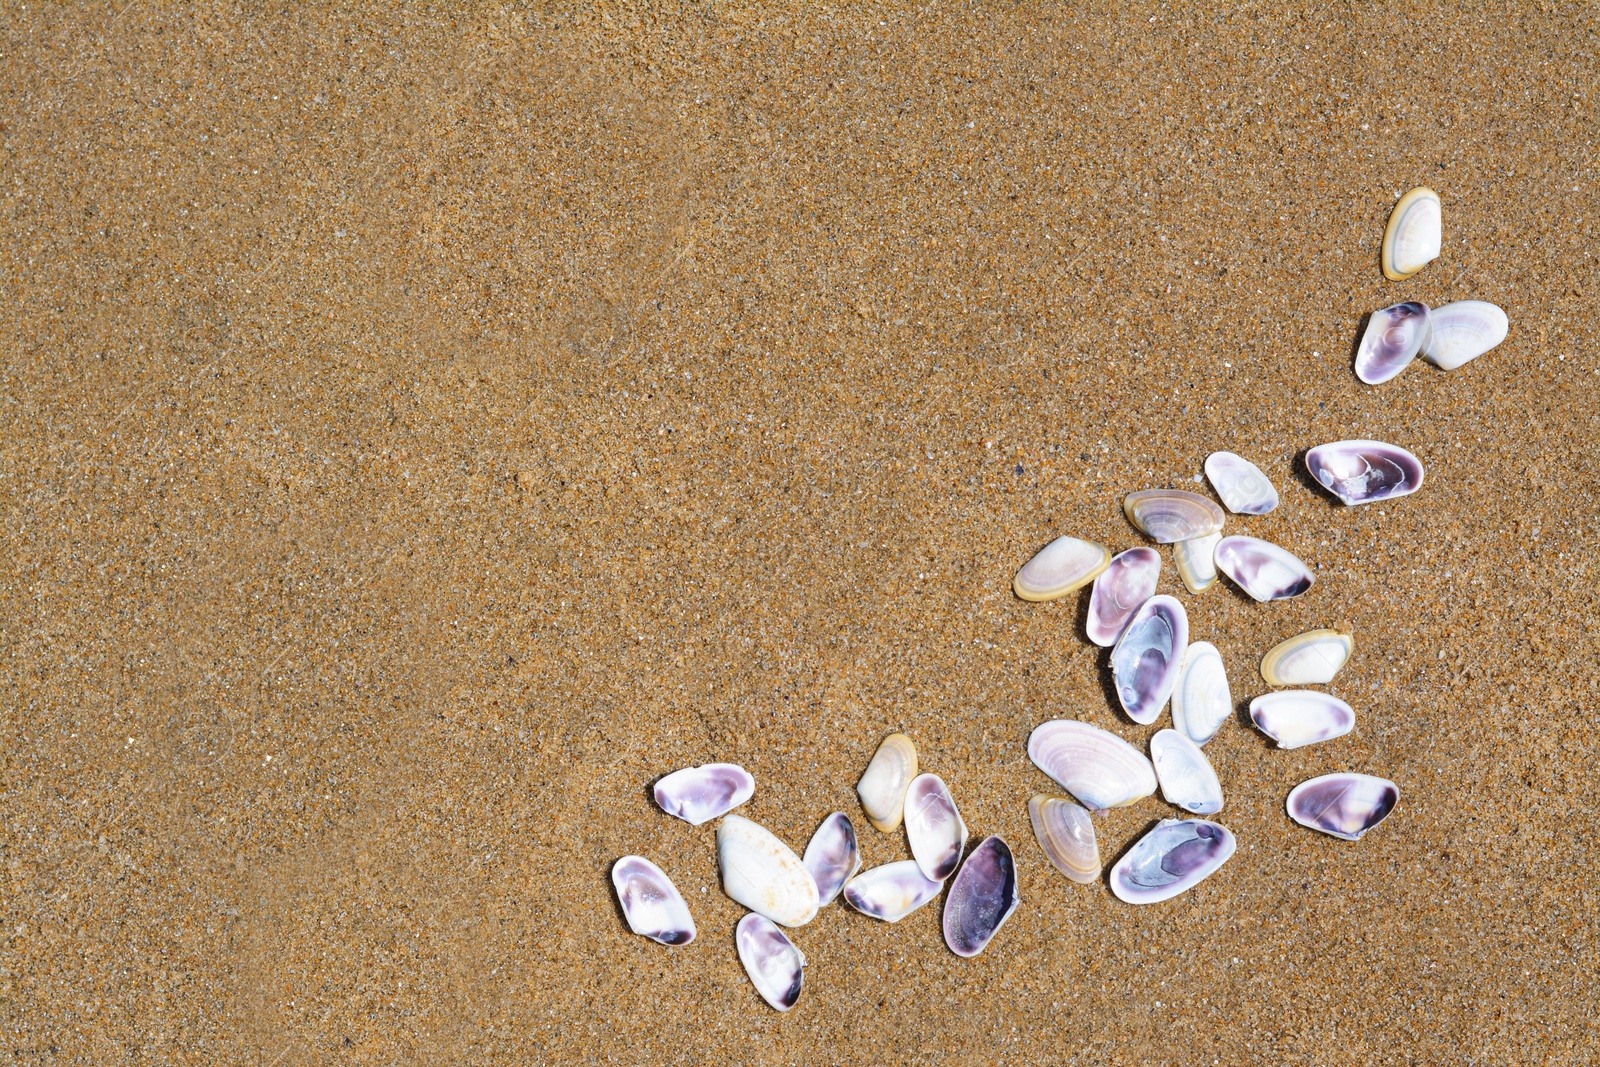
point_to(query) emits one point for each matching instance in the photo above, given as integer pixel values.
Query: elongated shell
(1240, 484)
(890, 892)
(1414, 235)
(1065, 564)
(1361, 472)
(699, 794)
(763, 873)
(1186, 777)
(650, 902)
(1176, 855)
(1169, 515)
(1262, 569)
(1066, 833)
(934, 828)
(1463, 331)
(1196, 560)
(1096, 766)
(982, 897)
(1345, 805)
(1119, 592)
(833, 856)
(1148, 655)
(1298, 717)
(1311, 658)
(1394, 337)
(1202, 701)
(776, 968)
(882, 788)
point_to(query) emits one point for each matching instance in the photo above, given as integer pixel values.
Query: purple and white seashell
(1360, 472)
(699, 794)
(1119, 592)
(890, 892)
(1094, 765)
(1176, 855)
(1148, 655)
(1394, 337)
(1298, 717)
(1240, 484)
(833, 856)
(1169, 515)
(1463, 331)
(1186, 776)
(934, 828)
(1262, 569)
(982, 897)
(1202, 701)
(1066, 833)
(774, 965)
(1345, 805)
(650, 902)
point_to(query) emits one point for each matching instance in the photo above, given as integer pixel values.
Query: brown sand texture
(424, 428)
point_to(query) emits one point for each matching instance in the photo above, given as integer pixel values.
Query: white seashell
(1065, 564)
(1414, 235)
(1298, 717)
(1240, 484)
(1463, 331)
(1169, 515)
(1066, 833)
(833, 856)
(1094, 765)
(764, 874)
(650, 902)
(1145, 663)
(934, 828)
(1394, 337)
(1176, 855)
(982, 897)
(774, 965)
(1262, 569)
(699, 794)
(890, 892)
(1196, 560)
(1361, 472)
(1345, 805)
(1122, 587)
(882, 788)
(1186, 777)
(1311, 658)
(1202, 701)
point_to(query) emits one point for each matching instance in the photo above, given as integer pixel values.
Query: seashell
(1065, 564)
(882, 788)
(1262, 569)
(1202, 701)
(1148, 655)
(833, 856)
(1345, 805)
(1176, 855)
(1094, 765)
(1240, 484)
(1298, 717)
(1066, 833)
(934, 827)
(1463, 331)
(1394, 337)
(1196, 560)
(982, 897)
(700, 794)
(1360, 472)
(1311, 658)
(1414, 235)
(774, 965)
(1122, 587)
(1187, 780)
(650, 902)
(1169, 515)
(890, 892)
(763, 873)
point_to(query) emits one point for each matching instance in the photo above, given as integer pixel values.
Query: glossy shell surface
(1121, 590)
(1186, 776)
(1362, 472)
(882, 787)
(1463, 331)
(934, 828)
(1262, 569)
(1196, 561)
(1065, 832)
(1298, 717)
(1345, 805)
(1414, 235)
(1394, 337)
(1094, 765)
(1202, 701)
(1065, 564)
(982, 897)
(776, 968)
(1169, 515)
(650, 902)
(1311, 658)
(892, 891)
(1241, 485)
(833, 856)
(1147, 657)
(1175, 856)
(699, 794)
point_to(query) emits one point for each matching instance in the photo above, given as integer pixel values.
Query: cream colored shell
(1414, 235)
(1311, 658)
(882, 788)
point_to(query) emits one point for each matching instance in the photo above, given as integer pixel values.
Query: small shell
(1240, 484)
(1414, 235)
(1176, 855)
(1311, 658)
(1463, 331)
(1361, 472)
(774, 965)
(982, 897)
(1065, 564)
(890, 892)
(833, 856)
(1186, 777)
(1119, 592)
(1394, 337)
(882, 788)
(763, 873)
(1196, 560)
(699, 794)
(1169, 515)
(1262, 569)
(1202, 701)
(1345, 805)
(1298, 717)
(650, 902)
(1094, 765)
(1148, 655)
(934, 828)
(1066, 833)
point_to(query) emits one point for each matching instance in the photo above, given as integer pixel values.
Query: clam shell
(1394, 337)
(1169, 515)
(1187, 780)
(1065, 564)
(833, 856)
(882, 788)
(1463, 331)
(1298, 717)
(1196, 560)
(775, 966)
(1147, 658)
(1262, 569)
(1202, 701)
(650, 902)
(1414, 235)
(1345, 805)
(982, 897)
(699, 794)
(1094, 765)
(1311, 658)
(890, 892)
(1177, 854)
(763, 873)
(1361, 472)
(1066, 833)
(1122, 587)
(934, 828)
(1240, 484)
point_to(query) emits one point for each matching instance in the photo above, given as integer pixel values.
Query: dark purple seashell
(1177, 855)
(982, 897)
(1345, 805)
(1146, 661)
(833, 856)
(1360, 472)
(1121, 590)
(699, 794)
(1394, 337)
(1262, 569)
